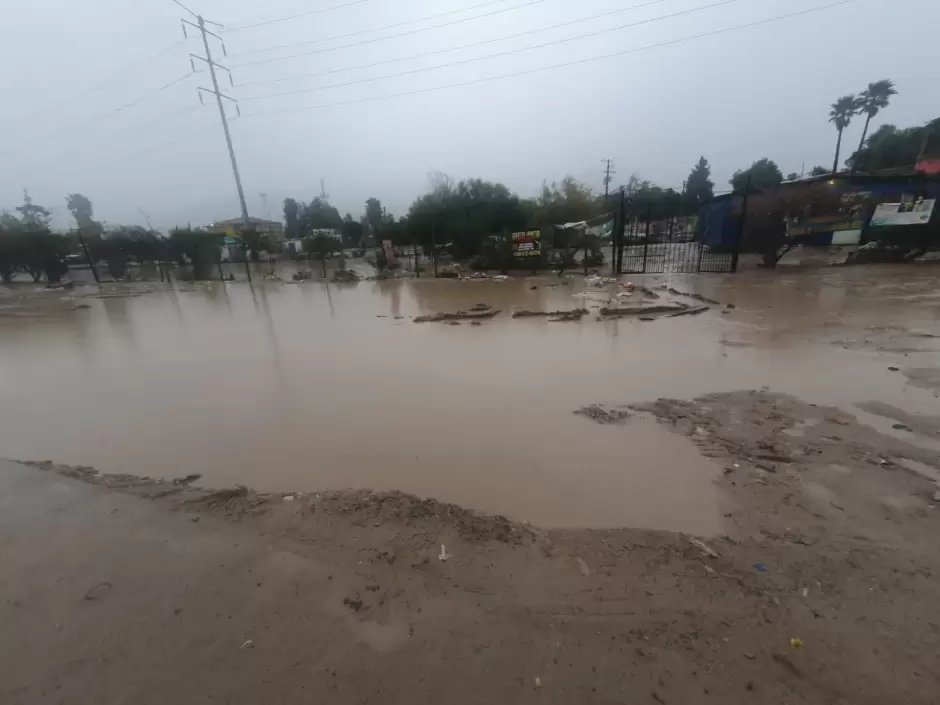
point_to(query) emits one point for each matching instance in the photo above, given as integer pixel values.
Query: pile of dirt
(562, 315)
(384, 506)
(457, 316)
(599, 414)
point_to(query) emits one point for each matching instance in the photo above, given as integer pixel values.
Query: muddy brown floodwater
(313, 386)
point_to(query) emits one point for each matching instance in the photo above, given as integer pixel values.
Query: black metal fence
(662, 238)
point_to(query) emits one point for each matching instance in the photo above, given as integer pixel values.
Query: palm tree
(872, 100)
(841, 113)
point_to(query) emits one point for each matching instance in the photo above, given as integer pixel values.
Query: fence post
(646, 238)
(621, 228)
(737, 245)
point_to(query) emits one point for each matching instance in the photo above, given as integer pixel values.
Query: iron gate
(657, 239)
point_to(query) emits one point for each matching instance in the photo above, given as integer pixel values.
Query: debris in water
(700, 545)
(797, 643)
(642, 310)
(538, 681)
(189, 479)
(457, 316)
(585, 571)
(761, 567)
(597, 413)
(566, 315)
(288, 498)
(248, 644)
(894, 369)
(480, 307)
(97, 591)
(444, 554)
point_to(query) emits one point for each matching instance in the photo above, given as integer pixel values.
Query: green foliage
(699, 187)
(256, 243)
(83, 213)
(291, 218)
(26, 243)
(889, 147)
(871, 101)
(462, 215)
(840, 114)
(319, 215)
(203, 250)
(818, 171)
(122, 245)
(375, 214)
(764, 174)
(320, 245)
(566, 201)
(33, 217)
(352, 232)
(792, 176)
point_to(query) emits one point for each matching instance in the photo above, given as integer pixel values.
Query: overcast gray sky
(732, 97)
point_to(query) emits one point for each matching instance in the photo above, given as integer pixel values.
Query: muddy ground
(822, 589)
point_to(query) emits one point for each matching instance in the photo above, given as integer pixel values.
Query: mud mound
(382, 506)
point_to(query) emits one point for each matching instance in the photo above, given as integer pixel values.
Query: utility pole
(607, 177)
(201, 26)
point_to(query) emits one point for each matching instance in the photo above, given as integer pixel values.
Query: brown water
(313, 386)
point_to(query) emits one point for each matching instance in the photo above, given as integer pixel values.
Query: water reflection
(304, 386)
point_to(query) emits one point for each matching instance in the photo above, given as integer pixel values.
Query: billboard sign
(910, 213)
(527, 244)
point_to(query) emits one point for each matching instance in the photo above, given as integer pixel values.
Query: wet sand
(318, 386)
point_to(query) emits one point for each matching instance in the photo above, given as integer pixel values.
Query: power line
(457, 48)
(94, 119)
(392, 36)
(367, 31)
(125, 71)
(281, 111)
(499, 54)
(177, 2)
(298, 15)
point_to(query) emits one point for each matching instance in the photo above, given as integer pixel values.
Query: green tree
(375, 214)
(890, 147)
(201, 249)
(352, 232)
(764, 174)
(699, 187)
(291, 218)
(319, 215)
(871, 101)
(33, 217)
(463, 215)
(792, 176)
(83, 213)
(818, 171)
(840, 114)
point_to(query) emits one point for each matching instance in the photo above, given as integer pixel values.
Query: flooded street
(319, 386)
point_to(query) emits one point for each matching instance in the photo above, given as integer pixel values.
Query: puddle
(306, 387)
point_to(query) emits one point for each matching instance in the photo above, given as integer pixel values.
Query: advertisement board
(527, 244)
(910, 213)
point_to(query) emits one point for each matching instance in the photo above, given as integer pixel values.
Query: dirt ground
(822, 590)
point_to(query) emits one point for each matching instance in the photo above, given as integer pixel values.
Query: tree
(201, 249)
(792, 176)
(33, 217)
(352, 232)
(291, 219)
(890, 147)
(764, 174)
(872, 100)
(699, 187)
(818, 171)
(375, 214)
(319, 215)
(565, 202)
(841, 113)
(464, 215)
(83, 213)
